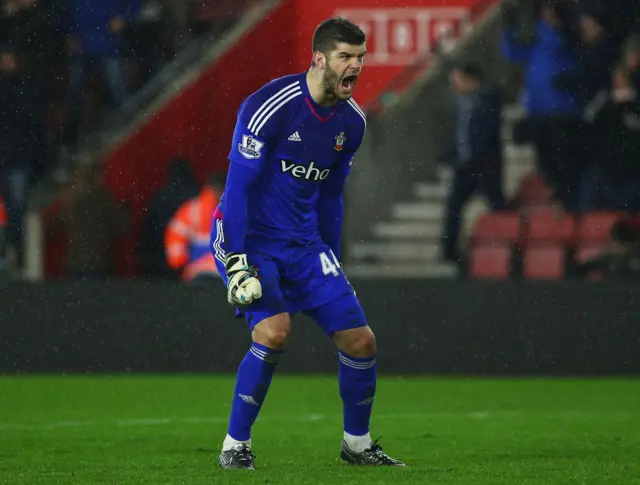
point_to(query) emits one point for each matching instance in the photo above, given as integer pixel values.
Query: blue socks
(357, 381)
(252, 383)
(356, 378)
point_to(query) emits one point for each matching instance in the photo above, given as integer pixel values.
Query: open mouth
(348, 82)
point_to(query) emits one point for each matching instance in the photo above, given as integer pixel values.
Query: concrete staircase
(408, 244)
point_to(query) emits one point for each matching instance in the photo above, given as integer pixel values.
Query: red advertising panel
(396, 36)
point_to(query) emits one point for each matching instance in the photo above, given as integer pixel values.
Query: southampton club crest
(340, 138)
(250, 148)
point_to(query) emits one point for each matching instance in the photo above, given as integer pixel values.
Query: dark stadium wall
(435, 327)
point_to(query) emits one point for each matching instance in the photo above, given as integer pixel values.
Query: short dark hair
(335, 30)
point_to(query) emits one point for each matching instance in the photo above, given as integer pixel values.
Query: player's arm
(330, 207)
(240, 180)
(243, 286)
(247, 159)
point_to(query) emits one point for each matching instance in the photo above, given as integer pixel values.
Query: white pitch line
(164, 421)
(142, 422)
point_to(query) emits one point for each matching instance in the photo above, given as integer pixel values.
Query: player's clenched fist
(243, 286)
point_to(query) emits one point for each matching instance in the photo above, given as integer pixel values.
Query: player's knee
(273, 332)
(365, 345)
(278, 338)
(357, 342)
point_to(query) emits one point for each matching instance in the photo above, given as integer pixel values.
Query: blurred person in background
(617, 18)
(175, 23)
(95, 35)
(188, 234)
(214, 17)
(595, 50)
(92, 219)
(17, 142)
(553, 112)
(477, 155)
(612, 181)
(3, 240)
(152, 38)
(30, 30)
(27, 45)
(622, 259)
(179, 187)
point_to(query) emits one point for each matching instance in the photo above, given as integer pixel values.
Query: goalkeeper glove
(243, 286)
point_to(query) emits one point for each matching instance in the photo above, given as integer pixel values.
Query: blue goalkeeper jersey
(289, 161)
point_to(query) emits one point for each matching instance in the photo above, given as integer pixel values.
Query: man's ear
(319, 60)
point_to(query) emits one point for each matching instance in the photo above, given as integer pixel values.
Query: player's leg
(270, 325)
(357, 382)
(344, 321)
(323, 292)
(254, 374)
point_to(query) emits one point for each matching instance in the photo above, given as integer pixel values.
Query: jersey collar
(323, 113)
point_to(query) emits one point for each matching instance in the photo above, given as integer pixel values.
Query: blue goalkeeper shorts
(296, 279)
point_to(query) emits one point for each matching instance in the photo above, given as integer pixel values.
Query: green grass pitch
(168, 429)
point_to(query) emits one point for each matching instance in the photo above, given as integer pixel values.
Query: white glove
(243, 286)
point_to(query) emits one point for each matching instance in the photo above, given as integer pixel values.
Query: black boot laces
(245, 456)
(379, 456)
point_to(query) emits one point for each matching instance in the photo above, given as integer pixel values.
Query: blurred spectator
(17, 143)
(477, 155)
(622, 259)
(3, 239)
(148, 37)
(96, 31)
(618, 18)
(187, 237)
(31, 31)
(214, 16)
(612, 181)
(180, 187)
(92, 219)
(594, 49)
(553, 111)
(175, 23)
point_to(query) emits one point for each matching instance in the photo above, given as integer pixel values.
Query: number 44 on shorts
(330, 264)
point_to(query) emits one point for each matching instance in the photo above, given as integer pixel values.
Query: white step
(423, 211)
(395, 251)
(407, 230)
(431, 213)
(370, 270)
(515, 153)
(513, 112)
(437, 191)
(513, 173)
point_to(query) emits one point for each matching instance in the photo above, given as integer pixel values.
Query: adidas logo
(366, 402)
(295, 137)
(248, 399)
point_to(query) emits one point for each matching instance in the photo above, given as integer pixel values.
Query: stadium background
(514, 305)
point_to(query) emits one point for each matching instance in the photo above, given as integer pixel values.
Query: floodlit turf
(168, 429)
